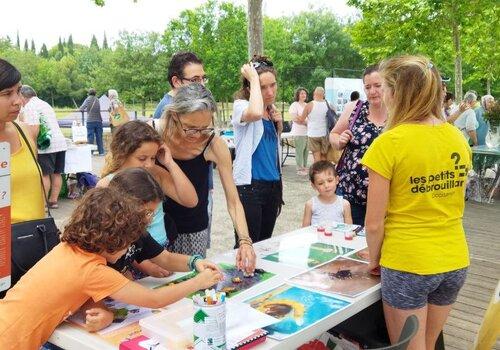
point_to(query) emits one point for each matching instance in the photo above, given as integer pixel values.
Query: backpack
(331, 118)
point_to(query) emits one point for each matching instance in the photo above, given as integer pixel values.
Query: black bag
(31, 240)
(331, 118)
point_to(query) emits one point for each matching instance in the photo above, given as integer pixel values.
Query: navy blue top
(265, 157)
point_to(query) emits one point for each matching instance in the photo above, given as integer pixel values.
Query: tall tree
(26, 46)
(18, 42)
(44, 52)
(70, 45)
(105, 42)
(93, 43)
(60, 46)
(33, 49)
(255, 31)
(441, 29)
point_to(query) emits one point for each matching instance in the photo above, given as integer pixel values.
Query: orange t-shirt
(56, 287)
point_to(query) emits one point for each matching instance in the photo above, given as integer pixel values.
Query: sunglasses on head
(258, 64)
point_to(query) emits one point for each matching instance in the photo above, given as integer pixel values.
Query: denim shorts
(405, 290)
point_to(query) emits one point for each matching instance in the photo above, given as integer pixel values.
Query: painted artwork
(297, 309)
(234, 282)
(361, 255)
(341, 276)
(309, 255)
(124, 315)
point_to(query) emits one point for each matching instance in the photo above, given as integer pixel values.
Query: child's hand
(164, 156)
(97, 319)
(152, 269)
(208, 278)
(203, 264)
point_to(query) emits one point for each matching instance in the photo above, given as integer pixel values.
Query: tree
(216, 33)
(70, 45)
(93, 43)
(44, 52)
(18, 42)
(60, 47)
(33, 49)
(26, 47)
(134, 67)
(105, 42)
(254, 31)
(443, 30)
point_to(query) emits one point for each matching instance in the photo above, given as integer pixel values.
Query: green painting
(234, 281)
(309, 255)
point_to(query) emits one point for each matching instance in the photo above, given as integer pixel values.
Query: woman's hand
(164, 156)
(97, 319)
(373, 268)
(344, 138)
(245, 258)
(274, 114)
(249, 73)
(152, 269)
(202, 265)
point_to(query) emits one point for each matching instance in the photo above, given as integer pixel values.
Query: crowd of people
(151, 212)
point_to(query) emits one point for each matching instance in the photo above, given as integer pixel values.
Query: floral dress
(353, 177)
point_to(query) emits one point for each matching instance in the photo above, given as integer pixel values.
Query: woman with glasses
(189, 134)
(257, 126)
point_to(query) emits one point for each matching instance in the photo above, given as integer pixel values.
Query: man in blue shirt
(185, 68)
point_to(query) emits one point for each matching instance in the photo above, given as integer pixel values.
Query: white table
(71, 337)
(79, 159)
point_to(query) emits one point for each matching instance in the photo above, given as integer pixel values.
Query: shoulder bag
(31, 240)
(341, 161)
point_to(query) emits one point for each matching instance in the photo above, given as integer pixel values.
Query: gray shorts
(404, 290)
(191, 243)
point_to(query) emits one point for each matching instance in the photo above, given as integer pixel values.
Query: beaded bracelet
(245, 240)
(192, 261)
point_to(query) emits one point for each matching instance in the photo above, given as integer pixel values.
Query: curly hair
(297, 93)
(127, 139)
(105, 220)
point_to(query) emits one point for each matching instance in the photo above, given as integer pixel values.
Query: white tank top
(316, 120)
(323, 213)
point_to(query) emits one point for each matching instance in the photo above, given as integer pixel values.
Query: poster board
(338, 91)
(5, 236)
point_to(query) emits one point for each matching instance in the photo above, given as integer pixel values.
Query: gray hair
(27, 91)
(470, 96)
(320, 89)
(485, 99)
(188, 99)
(112, 94)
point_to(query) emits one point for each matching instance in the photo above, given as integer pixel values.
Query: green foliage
(105, 42)
(93, 43)
(426, 27)
(70, 45)
(33, 49)
(26, 47)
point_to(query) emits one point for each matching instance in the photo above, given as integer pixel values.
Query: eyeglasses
(258, 64)
(195, 131)
(201, 80)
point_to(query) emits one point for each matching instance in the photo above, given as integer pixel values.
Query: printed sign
(5, 237)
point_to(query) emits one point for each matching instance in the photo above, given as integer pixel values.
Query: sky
(45, 21)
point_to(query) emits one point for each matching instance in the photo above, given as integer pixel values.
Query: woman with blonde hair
(417, 172)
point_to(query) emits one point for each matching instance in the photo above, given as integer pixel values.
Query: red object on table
(313, 345)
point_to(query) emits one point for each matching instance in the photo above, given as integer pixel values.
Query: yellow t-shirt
(427, 167)
(56, 287)
(27, 202)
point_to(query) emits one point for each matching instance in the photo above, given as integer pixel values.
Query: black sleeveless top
(189, 220)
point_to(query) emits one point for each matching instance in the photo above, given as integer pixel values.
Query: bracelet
(192, 261)
(247, 240)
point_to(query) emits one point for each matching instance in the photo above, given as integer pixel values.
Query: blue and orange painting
(296, 307)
